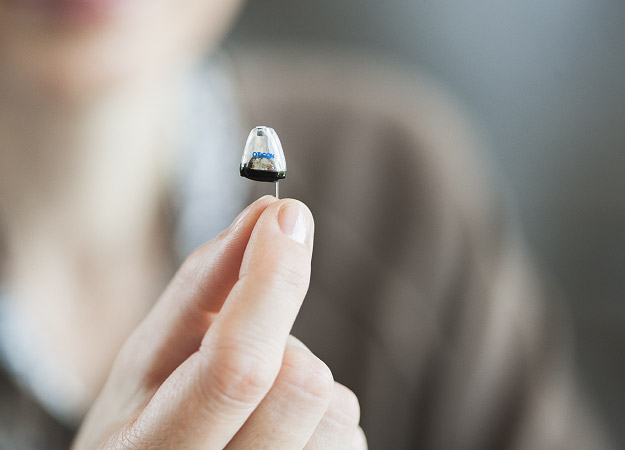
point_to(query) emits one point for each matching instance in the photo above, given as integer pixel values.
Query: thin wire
(277, 189)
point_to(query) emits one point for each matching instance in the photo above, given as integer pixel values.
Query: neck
(81, 187)
(91, 170)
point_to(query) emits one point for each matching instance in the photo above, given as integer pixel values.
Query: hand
(213, 365)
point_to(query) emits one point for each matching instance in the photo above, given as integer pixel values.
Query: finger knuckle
(130, 360)
(194, 264)
(360, 440)
(126, 439)
(293, 277)
(291, 283)
(306, 376)
(344, 410)
(243, 378)
(126, 357)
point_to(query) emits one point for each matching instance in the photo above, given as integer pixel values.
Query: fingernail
(295, 221)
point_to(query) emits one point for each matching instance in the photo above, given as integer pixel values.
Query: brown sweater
(422, 300)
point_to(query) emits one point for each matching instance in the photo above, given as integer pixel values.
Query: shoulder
(375, 143)
(413, 245)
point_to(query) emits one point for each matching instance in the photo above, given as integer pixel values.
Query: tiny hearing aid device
(263, 158)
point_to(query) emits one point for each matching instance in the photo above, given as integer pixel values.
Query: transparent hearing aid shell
(263, 158)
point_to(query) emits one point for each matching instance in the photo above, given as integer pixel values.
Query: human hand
(213, 366)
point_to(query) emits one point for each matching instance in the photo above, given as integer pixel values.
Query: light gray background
(546, 81)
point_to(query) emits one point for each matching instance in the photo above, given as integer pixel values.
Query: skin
(212, 365)
(77, 59)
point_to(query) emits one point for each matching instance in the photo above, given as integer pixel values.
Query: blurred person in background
(121, 126)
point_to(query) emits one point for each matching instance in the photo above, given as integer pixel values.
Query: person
(121, 125)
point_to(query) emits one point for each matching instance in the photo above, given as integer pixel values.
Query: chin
(63, 72)
(87, 72)
(76, 58)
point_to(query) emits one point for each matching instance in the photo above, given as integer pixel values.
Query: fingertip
(258, 205)
(293, 218)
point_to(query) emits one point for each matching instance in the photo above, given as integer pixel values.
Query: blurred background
(545, 81)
